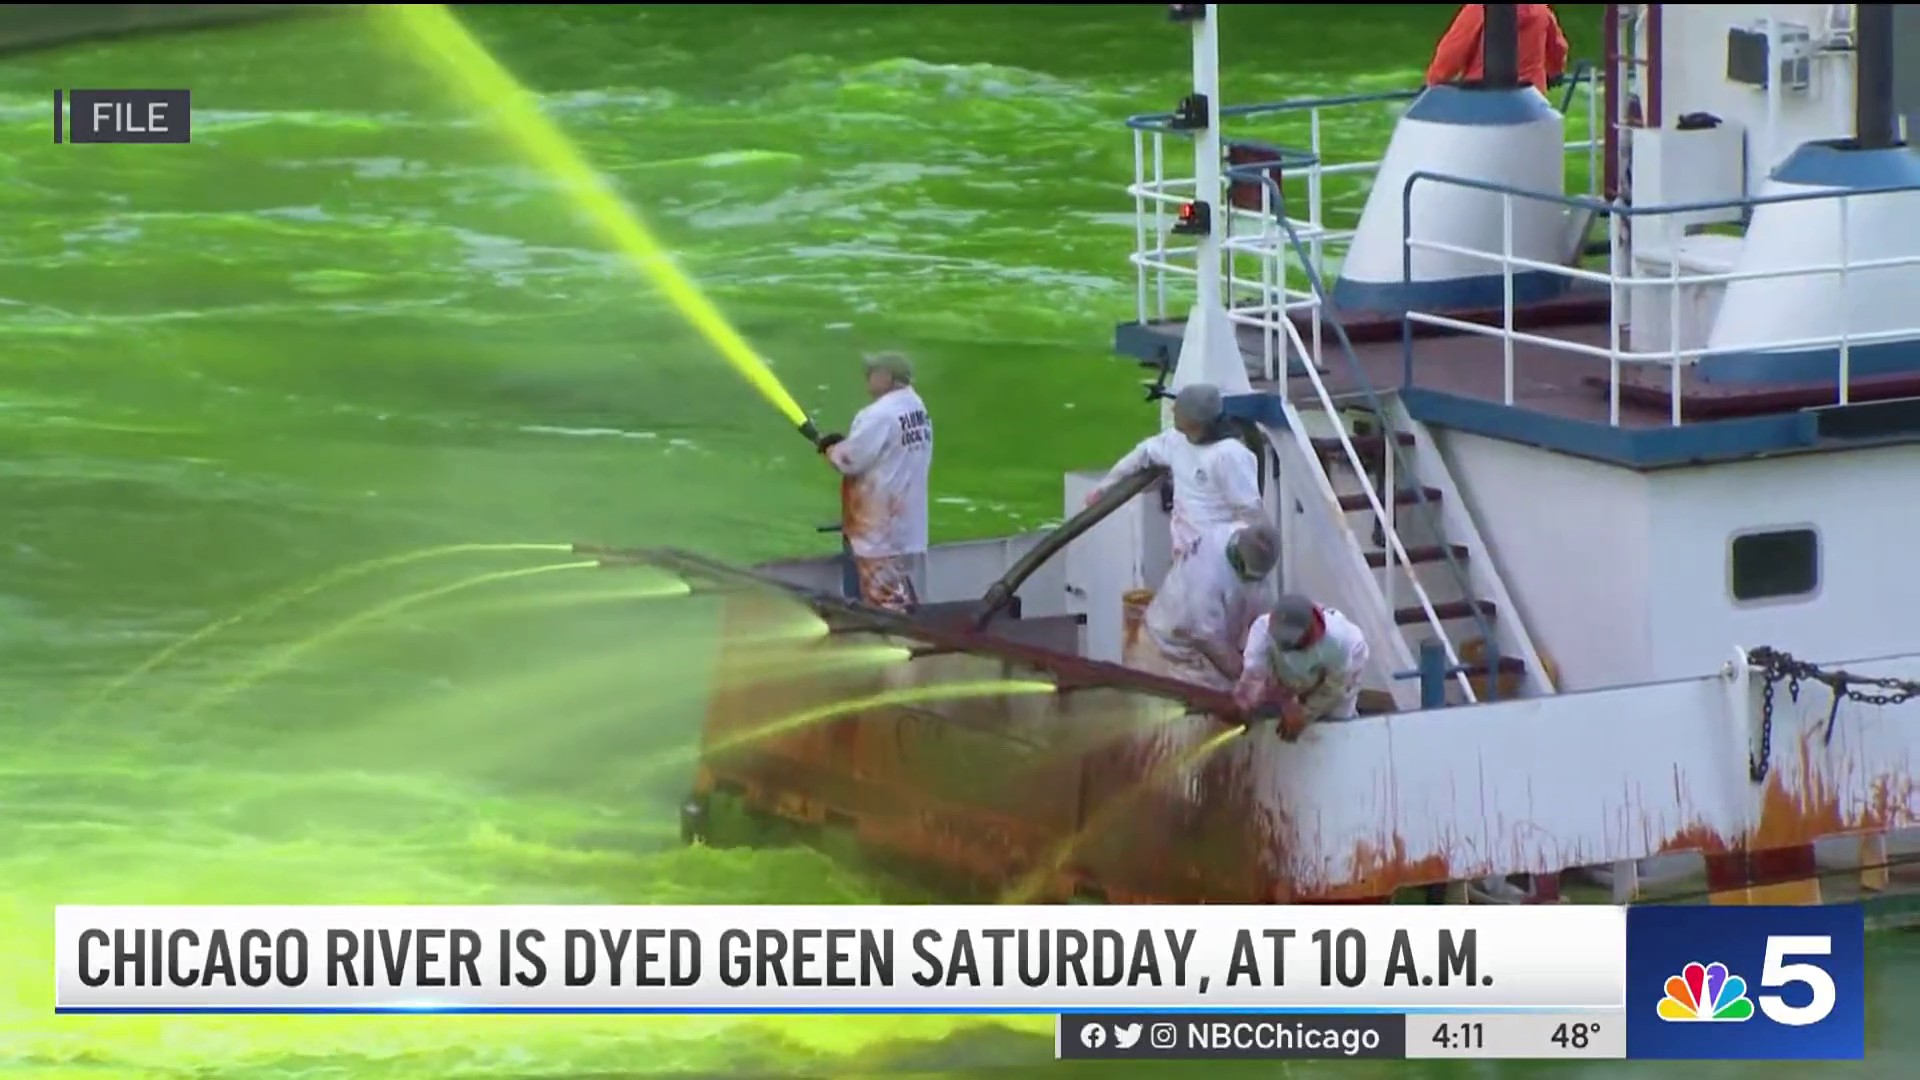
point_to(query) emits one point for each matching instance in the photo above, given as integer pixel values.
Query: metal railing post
(1140, 224)
(1159, 222)
(1433, 675)
(1846, 320)
(1506, 282)
(1673, 334)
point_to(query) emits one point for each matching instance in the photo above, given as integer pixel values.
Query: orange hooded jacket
(1543, 48)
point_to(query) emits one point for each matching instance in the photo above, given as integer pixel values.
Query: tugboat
(1609, 478)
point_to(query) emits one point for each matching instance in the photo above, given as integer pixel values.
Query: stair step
(1428, 553)
(1404, 497)
(1509, 665)
(1414, 614)
(1367, 446)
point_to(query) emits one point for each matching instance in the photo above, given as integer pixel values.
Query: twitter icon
(1125, 1036)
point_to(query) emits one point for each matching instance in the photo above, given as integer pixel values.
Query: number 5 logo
(1777, 973)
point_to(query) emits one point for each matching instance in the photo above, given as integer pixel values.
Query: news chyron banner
(1559, 981)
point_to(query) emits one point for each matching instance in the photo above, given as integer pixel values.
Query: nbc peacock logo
(1704, 993)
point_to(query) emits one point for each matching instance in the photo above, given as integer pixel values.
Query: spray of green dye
(538, 689)
(294, 595)
(293, 652)
(440, 40)
(916, 695)
(1034, 884)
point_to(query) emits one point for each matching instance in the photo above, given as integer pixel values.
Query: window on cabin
(1775, 565)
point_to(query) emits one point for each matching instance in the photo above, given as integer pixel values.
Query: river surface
(346, 323)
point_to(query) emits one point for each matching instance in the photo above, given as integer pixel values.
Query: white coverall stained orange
(885, 461)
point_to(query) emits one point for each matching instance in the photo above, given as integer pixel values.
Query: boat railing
(1620, 286)
(1157, 195)
(1276, 326)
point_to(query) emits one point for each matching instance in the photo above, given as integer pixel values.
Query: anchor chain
(1776, 666)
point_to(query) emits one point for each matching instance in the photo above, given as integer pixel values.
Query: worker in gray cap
(1216, 479)
(1197, 625)
(1307, 658)
(884, 459)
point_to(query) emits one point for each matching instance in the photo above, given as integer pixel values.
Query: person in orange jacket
(1543, 48)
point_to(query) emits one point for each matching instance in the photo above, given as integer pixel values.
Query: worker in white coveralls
(1308, 659)
(884, 459)
(1198, 621)
(1216, 479)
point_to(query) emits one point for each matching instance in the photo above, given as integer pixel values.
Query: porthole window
(1775, 565)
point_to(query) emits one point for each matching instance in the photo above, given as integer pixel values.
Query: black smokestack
(1874, 125)
(1500, 47)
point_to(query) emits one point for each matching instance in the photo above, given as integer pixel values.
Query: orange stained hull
(1045, 796)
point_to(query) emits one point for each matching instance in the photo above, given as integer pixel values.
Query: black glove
(1556, 82)
(829, 441)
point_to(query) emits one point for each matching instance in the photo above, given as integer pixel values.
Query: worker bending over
(1461, 54)
(1306, 658)
(1197, 624)
(1216, 479)
(884, 459)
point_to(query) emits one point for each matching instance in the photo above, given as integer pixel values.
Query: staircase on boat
(1411, 569)
(1367, 493)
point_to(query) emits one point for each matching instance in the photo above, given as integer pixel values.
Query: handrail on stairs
(1262, 173)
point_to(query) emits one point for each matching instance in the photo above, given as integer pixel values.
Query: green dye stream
(345, 324)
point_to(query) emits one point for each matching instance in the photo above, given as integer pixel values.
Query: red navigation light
(1194, 219)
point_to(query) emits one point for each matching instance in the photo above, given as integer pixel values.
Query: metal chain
(1776, 665)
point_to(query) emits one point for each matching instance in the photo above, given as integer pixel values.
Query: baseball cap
(893, 363)
(1259, 549)
(1292, 617)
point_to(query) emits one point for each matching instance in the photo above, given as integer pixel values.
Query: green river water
(344, 323)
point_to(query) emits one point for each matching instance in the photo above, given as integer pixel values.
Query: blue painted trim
(1635, 448)
(1457, 294)
(1479, 106)
(1833, 163)
(1262, 409)
(1433, 675)
(1146, 341)
(1745, 368)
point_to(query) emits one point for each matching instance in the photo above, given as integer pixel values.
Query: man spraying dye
(1216, 479)
(884, 459)
(1309, 659)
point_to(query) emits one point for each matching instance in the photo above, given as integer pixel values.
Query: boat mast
(1207, 157)
(1874, 124)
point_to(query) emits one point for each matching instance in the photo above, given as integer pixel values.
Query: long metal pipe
(1500, 46)
(1874, 124)
(1001, 594)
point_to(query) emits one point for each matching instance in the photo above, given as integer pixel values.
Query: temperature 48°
(1574, 1036)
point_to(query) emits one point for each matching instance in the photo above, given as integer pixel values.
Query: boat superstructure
(1601, 419)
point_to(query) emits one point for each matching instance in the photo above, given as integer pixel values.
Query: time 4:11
(1471, 1036)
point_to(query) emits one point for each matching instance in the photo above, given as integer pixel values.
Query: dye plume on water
(917, 695)
(281, 659)
(1036, 883)
(294, 595)
(468, 67)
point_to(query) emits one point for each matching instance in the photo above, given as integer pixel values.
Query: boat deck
(1560, 397)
